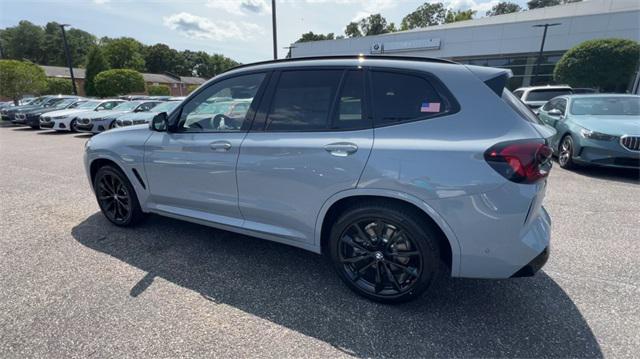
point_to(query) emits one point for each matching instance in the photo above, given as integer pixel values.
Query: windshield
(546, 95)
(89, 104)
(613, 106)
(64, 103)
(166, 106)
(126, 106)
(519, 107)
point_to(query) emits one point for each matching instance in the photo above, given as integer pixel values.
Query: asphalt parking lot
(72, 285)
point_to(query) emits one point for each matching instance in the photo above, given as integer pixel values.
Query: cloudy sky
(240, 29)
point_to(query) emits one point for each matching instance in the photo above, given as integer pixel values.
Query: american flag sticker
(430, 107)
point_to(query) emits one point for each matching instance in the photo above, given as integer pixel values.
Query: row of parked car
(74, 113)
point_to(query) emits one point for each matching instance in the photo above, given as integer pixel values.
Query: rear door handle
(341, 149)
(220, 146)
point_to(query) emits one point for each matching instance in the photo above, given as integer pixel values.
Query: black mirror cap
(159, 122)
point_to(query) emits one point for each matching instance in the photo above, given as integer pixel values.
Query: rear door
(311, 139)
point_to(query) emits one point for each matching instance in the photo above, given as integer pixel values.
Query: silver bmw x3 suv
(395, 168)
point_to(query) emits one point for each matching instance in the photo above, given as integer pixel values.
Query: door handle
(220, 146)
(341, 149)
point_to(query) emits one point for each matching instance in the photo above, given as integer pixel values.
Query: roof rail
(345, 57)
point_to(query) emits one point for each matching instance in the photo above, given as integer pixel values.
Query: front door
(312, 141)
(191, 170)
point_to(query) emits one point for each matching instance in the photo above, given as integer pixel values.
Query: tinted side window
(562, 105)
(349, 112)
(401, 97)
(302, 100)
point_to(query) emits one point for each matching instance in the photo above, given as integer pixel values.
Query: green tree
(192, 88)
(458, 15)
(310, 36)
(425, 15)
(124, 53)
(536, 4)
(161, 58)
(23, 42)
(119, 82)
(353, 30)
(79, 41)
(57, 86)
(19, 78)
(96, 63)
(504, 7)
(158, 90)
(374, 24)
(606, 64)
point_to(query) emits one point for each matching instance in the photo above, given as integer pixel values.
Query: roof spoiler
(493, 77)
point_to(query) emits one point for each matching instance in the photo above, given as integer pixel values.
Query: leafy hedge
(58, 86)
(158, 90)
(19, 78)
(606, 64)
(118, 82)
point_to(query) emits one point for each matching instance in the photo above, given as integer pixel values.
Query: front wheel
(384, 252)
(565, 154)
(116, 197)
(72, 126)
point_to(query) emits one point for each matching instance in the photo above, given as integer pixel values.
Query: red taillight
(522, 161)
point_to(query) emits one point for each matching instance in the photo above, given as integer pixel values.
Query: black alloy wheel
(385, 255)
(116, 197)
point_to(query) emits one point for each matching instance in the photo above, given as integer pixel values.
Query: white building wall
(504, 34)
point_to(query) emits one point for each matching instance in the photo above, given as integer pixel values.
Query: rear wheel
(384, 252)
(116, 197)
(565, 153)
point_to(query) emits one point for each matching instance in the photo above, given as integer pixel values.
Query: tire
(72, 126)
(565, 153)
(116, 197)
(373, 267)
(35, 127)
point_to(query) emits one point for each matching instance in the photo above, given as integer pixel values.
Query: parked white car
(65, 120)
(536, 96)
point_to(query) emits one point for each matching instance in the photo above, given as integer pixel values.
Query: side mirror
(160, 122)
(555, 113)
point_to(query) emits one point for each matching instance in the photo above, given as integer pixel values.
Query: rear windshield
(519, 107)
(546, 95)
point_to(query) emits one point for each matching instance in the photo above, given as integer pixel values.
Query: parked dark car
(32, 118)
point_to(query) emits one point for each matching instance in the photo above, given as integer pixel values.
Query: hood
(40, 111)
(67, 112)
(102, 114)
(137, 116)
(611, 125)
(22, 108)
(128, 129)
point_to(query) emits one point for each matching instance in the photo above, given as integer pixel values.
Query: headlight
(593, 135)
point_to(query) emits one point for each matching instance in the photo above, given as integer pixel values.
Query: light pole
(68, 55)
(544, 37)
(273, 25)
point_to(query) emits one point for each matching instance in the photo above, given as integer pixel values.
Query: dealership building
(508, 41)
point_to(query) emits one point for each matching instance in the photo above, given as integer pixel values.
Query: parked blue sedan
(599, 129)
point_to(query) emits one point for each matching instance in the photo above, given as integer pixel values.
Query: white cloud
(241, 7)
(480, 6)
(202, 28)
(368, 7)
(100, 2)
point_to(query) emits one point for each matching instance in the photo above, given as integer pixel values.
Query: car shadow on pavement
(526, 317)
(626, 175)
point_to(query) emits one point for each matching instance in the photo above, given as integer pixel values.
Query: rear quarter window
(402, 97)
